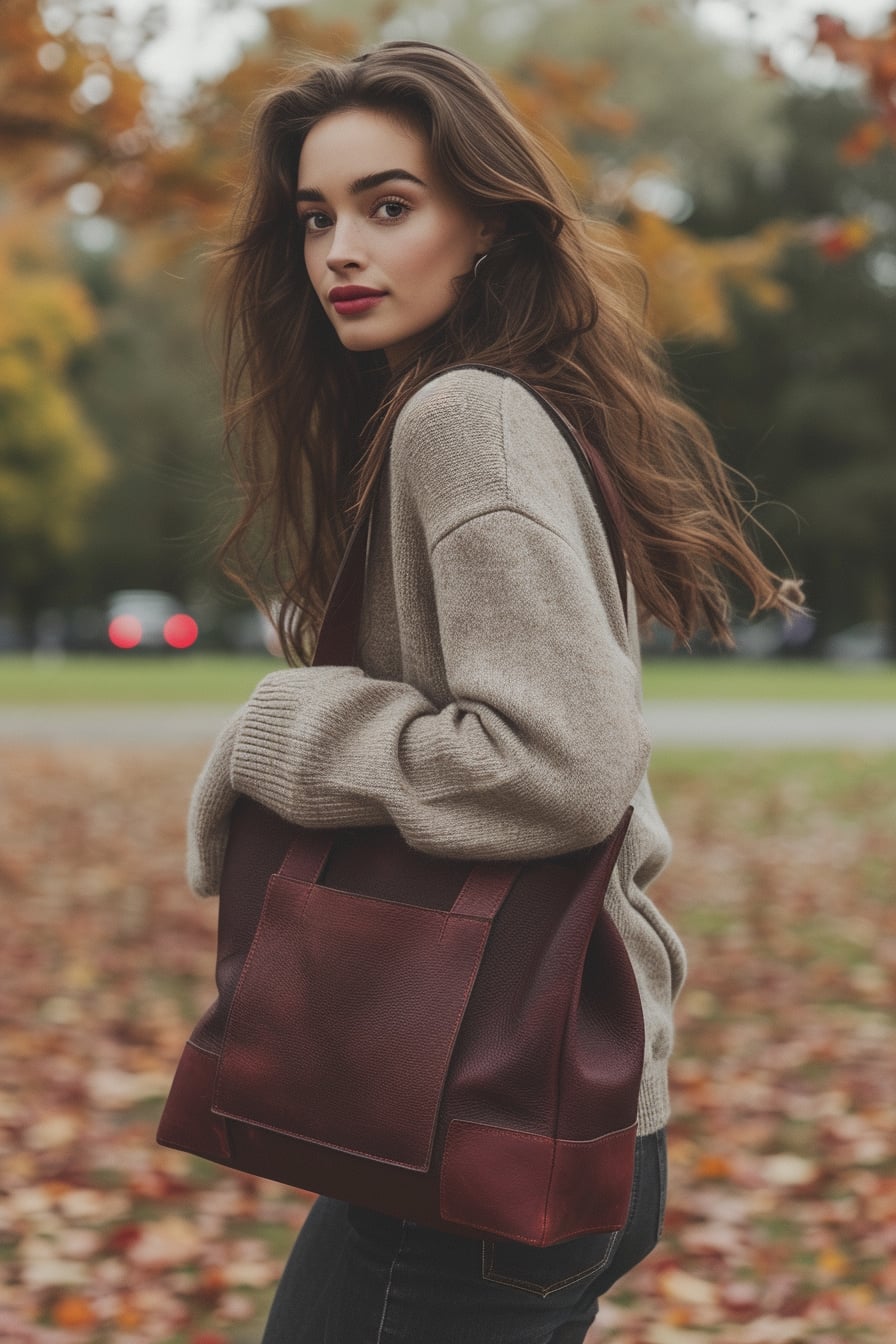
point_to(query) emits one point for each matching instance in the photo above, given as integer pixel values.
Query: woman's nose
(345, 247)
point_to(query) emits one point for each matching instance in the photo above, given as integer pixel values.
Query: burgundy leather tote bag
(455, 1042)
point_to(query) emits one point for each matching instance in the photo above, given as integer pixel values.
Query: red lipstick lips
(341, 293)
(348, 299)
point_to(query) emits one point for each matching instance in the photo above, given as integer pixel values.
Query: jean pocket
(546, 1269)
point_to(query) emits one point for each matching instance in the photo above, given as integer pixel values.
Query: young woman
(400, 221)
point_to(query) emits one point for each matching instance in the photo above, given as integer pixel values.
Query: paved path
(682, 723)
(771, 723)
(147, 725)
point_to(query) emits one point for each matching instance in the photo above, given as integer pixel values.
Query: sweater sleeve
(540, 749)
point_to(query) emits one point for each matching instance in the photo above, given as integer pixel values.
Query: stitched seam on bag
(539, 1289)
(454, 1137)
(359, 1152)
(566, 1029)
(557, 1089)
(243, 973)
(380, 900)
(443, 1068)
(514, 872)
(526, 1134)
(317, 1143)
(454, 1134)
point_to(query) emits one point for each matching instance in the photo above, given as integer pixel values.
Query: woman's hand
(208, 818)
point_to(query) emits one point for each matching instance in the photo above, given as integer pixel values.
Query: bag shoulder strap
(337, 639)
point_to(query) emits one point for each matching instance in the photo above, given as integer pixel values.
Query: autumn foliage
(53, 459)
(875, 58)
(88, 151)
(69, 114)
(781, 1221)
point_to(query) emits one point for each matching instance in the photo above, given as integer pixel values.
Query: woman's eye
(399, 206)
(402, 205)
(305, 220)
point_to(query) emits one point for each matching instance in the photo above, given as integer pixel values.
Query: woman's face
(404, 235)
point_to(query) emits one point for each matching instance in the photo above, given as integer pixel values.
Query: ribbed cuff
(208, 816)
(653, 1101)
(261, 764)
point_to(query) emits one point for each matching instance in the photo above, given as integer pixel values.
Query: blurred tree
(51, 461)
(64, 107)
(75, 131)
(691, 278)
(69, 117)
(805, 401)
(696, 102)
(150, 389)
(672, 136)
(636, 105)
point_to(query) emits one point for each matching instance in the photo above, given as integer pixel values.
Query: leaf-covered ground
(781, 1224)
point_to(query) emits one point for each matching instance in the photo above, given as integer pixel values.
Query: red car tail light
(125, 632)
(180, 631)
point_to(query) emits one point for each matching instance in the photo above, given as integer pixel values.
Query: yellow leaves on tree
(689, 277)
(50, 460)
(556, 100)
(67, 116)
(63, 110)
(60, 123)
(197, 172)
(875, 57)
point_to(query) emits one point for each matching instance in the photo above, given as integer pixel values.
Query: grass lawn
(98, 679)
(727, 679)
(229, 679)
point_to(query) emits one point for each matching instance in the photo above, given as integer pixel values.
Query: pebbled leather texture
(455, 1043)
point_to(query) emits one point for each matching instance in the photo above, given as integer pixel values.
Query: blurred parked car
(11, 638)
(148, 620)
(75, 630)
(867, 642)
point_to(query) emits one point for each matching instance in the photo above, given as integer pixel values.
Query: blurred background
(746, 149)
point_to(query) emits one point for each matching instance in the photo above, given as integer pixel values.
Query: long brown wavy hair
(559, 301)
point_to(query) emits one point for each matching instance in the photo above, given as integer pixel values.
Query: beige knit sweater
(496, 711)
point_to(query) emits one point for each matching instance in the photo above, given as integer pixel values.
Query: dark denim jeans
(359, 1277)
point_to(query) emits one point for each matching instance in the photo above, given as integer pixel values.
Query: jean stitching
(540, 1289)
(379, 1333)
(636, 1186)
(664, 1184)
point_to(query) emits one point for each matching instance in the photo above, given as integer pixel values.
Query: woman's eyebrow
(362, 184)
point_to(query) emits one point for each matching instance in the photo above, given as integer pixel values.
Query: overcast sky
(195, 44)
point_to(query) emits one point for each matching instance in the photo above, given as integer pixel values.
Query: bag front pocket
(344, 1020)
